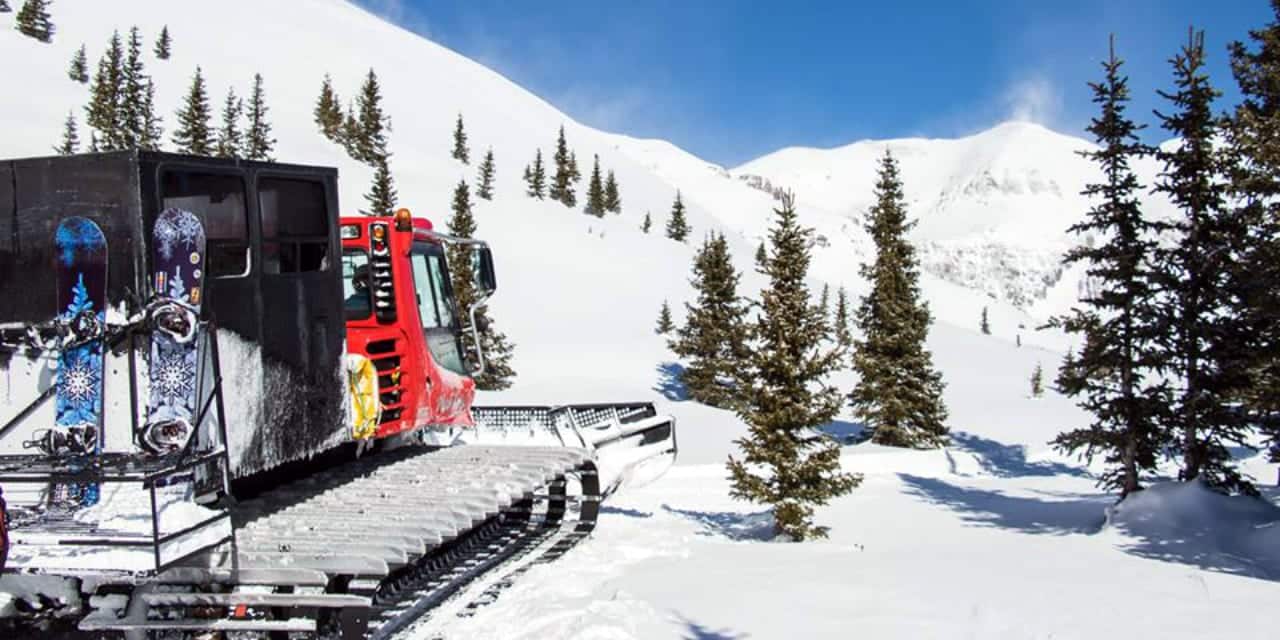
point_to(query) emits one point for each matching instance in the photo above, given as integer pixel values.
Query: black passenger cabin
(272, 287)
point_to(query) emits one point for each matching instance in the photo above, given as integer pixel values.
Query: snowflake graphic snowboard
(177, 264)
(82, 295)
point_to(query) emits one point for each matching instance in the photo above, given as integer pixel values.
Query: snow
(997, 536)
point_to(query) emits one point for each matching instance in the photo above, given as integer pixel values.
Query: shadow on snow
(729, 524)
(695, 631)
(1081, 515)
(630, 513)
(669, 384)
(1010, 461)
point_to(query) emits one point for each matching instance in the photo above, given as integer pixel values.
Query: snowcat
(337, 480)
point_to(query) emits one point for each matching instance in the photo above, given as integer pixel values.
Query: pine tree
(33, 20)
(677, 227)
(762, 258)
(575, 176)
(844, 339)
(497, 349)
(79, 70)
(713, 337)
(103, 114)
(1252, 133)
(381, 197)
(612, 199)
(647, 224)
(824, 302)
(164, 44)
(70, 137)
(328, 111)
(258, 143)
(366, 140)
(665, 325)
(230, 138)
(898, 394)
(561, 188)
(595, 192)
(193, 135)
(487, 170)
(536, 177)
(137, 97)
(984, 324)
(460, 150)
(1115, 375)
(1207, 340)
(1037, 381)
(783, 396)
(152, 129)
(351, 134)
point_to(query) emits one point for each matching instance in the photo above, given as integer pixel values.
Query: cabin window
(295, 225)
(435, 306)
(219, 200)
(357, 304)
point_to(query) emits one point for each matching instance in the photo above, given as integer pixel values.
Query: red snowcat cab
(338, 480)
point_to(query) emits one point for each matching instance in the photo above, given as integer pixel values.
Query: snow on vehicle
(334, 477)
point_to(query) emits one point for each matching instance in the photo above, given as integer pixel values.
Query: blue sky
(730, 81)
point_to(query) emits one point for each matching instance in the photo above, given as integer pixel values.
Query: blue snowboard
(82, 296)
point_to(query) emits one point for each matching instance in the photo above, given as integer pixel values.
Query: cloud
(1034, 99)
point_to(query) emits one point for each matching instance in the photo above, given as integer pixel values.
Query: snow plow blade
(633, 444)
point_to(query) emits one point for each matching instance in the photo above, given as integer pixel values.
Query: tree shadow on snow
(1082, 515)
(846, 433)
(729, 524)
(630, 513)
(1010, 460)
(669, 384)
(695, 631)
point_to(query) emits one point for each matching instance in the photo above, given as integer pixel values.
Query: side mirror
(486, 279)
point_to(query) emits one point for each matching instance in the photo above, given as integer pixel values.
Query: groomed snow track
(371, 547)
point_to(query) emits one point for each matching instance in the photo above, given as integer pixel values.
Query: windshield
(355, 284)
(436, 306)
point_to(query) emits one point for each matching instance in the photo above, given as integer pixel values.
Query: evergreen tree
(230, 138)
(193, 135)
(762, 258)
(70, 137)
(984, 324)
(575, 176)
(844, 339)
(1207, 339)
(372, 124)
(351, 134)
(164, 44)
(79, 70)
(137, 96)
(1037, 381)
(536, 177)
(647, 224)
(713, 337)
(612, 199)
(1115, 376)
(33, 20)
(1253, 136)
(595, 192)
(460, 150)
(485, 190)
(258, 143)
(783, 396)
(497, 349)
(677, 227)
(152, 130)
(382, 192)
(103, 114)
(665, 325)
(824, 302)
(898, 394)
(328, 111)
(561, 188)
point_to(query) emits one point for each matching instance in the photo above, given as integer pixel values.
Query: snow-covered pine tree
(665, 325)
(984, 324)
(899, 393)
(1037, 381)
(535, 176)
(79, 69)
(103, 113)
(70, 137)
(677, 227)
(762, 258)
(33, 20)
(714, 336)
(193, 134)
(844, 338)
(612, 199)
(1115, 378)
(824, 303)
(783, 396)
(595, 192)
(647, 224)
(498, 350)
(1252, 132)
(460, 150)
(230, 138)
(561, 188)
(1205, 338)
(258, 143)
(328, 112)
(164, 44)
(484, 190)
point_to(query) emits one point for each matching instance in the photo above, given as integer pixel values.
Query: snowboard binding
(175, 319)
(60, 442)
(166, 436)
